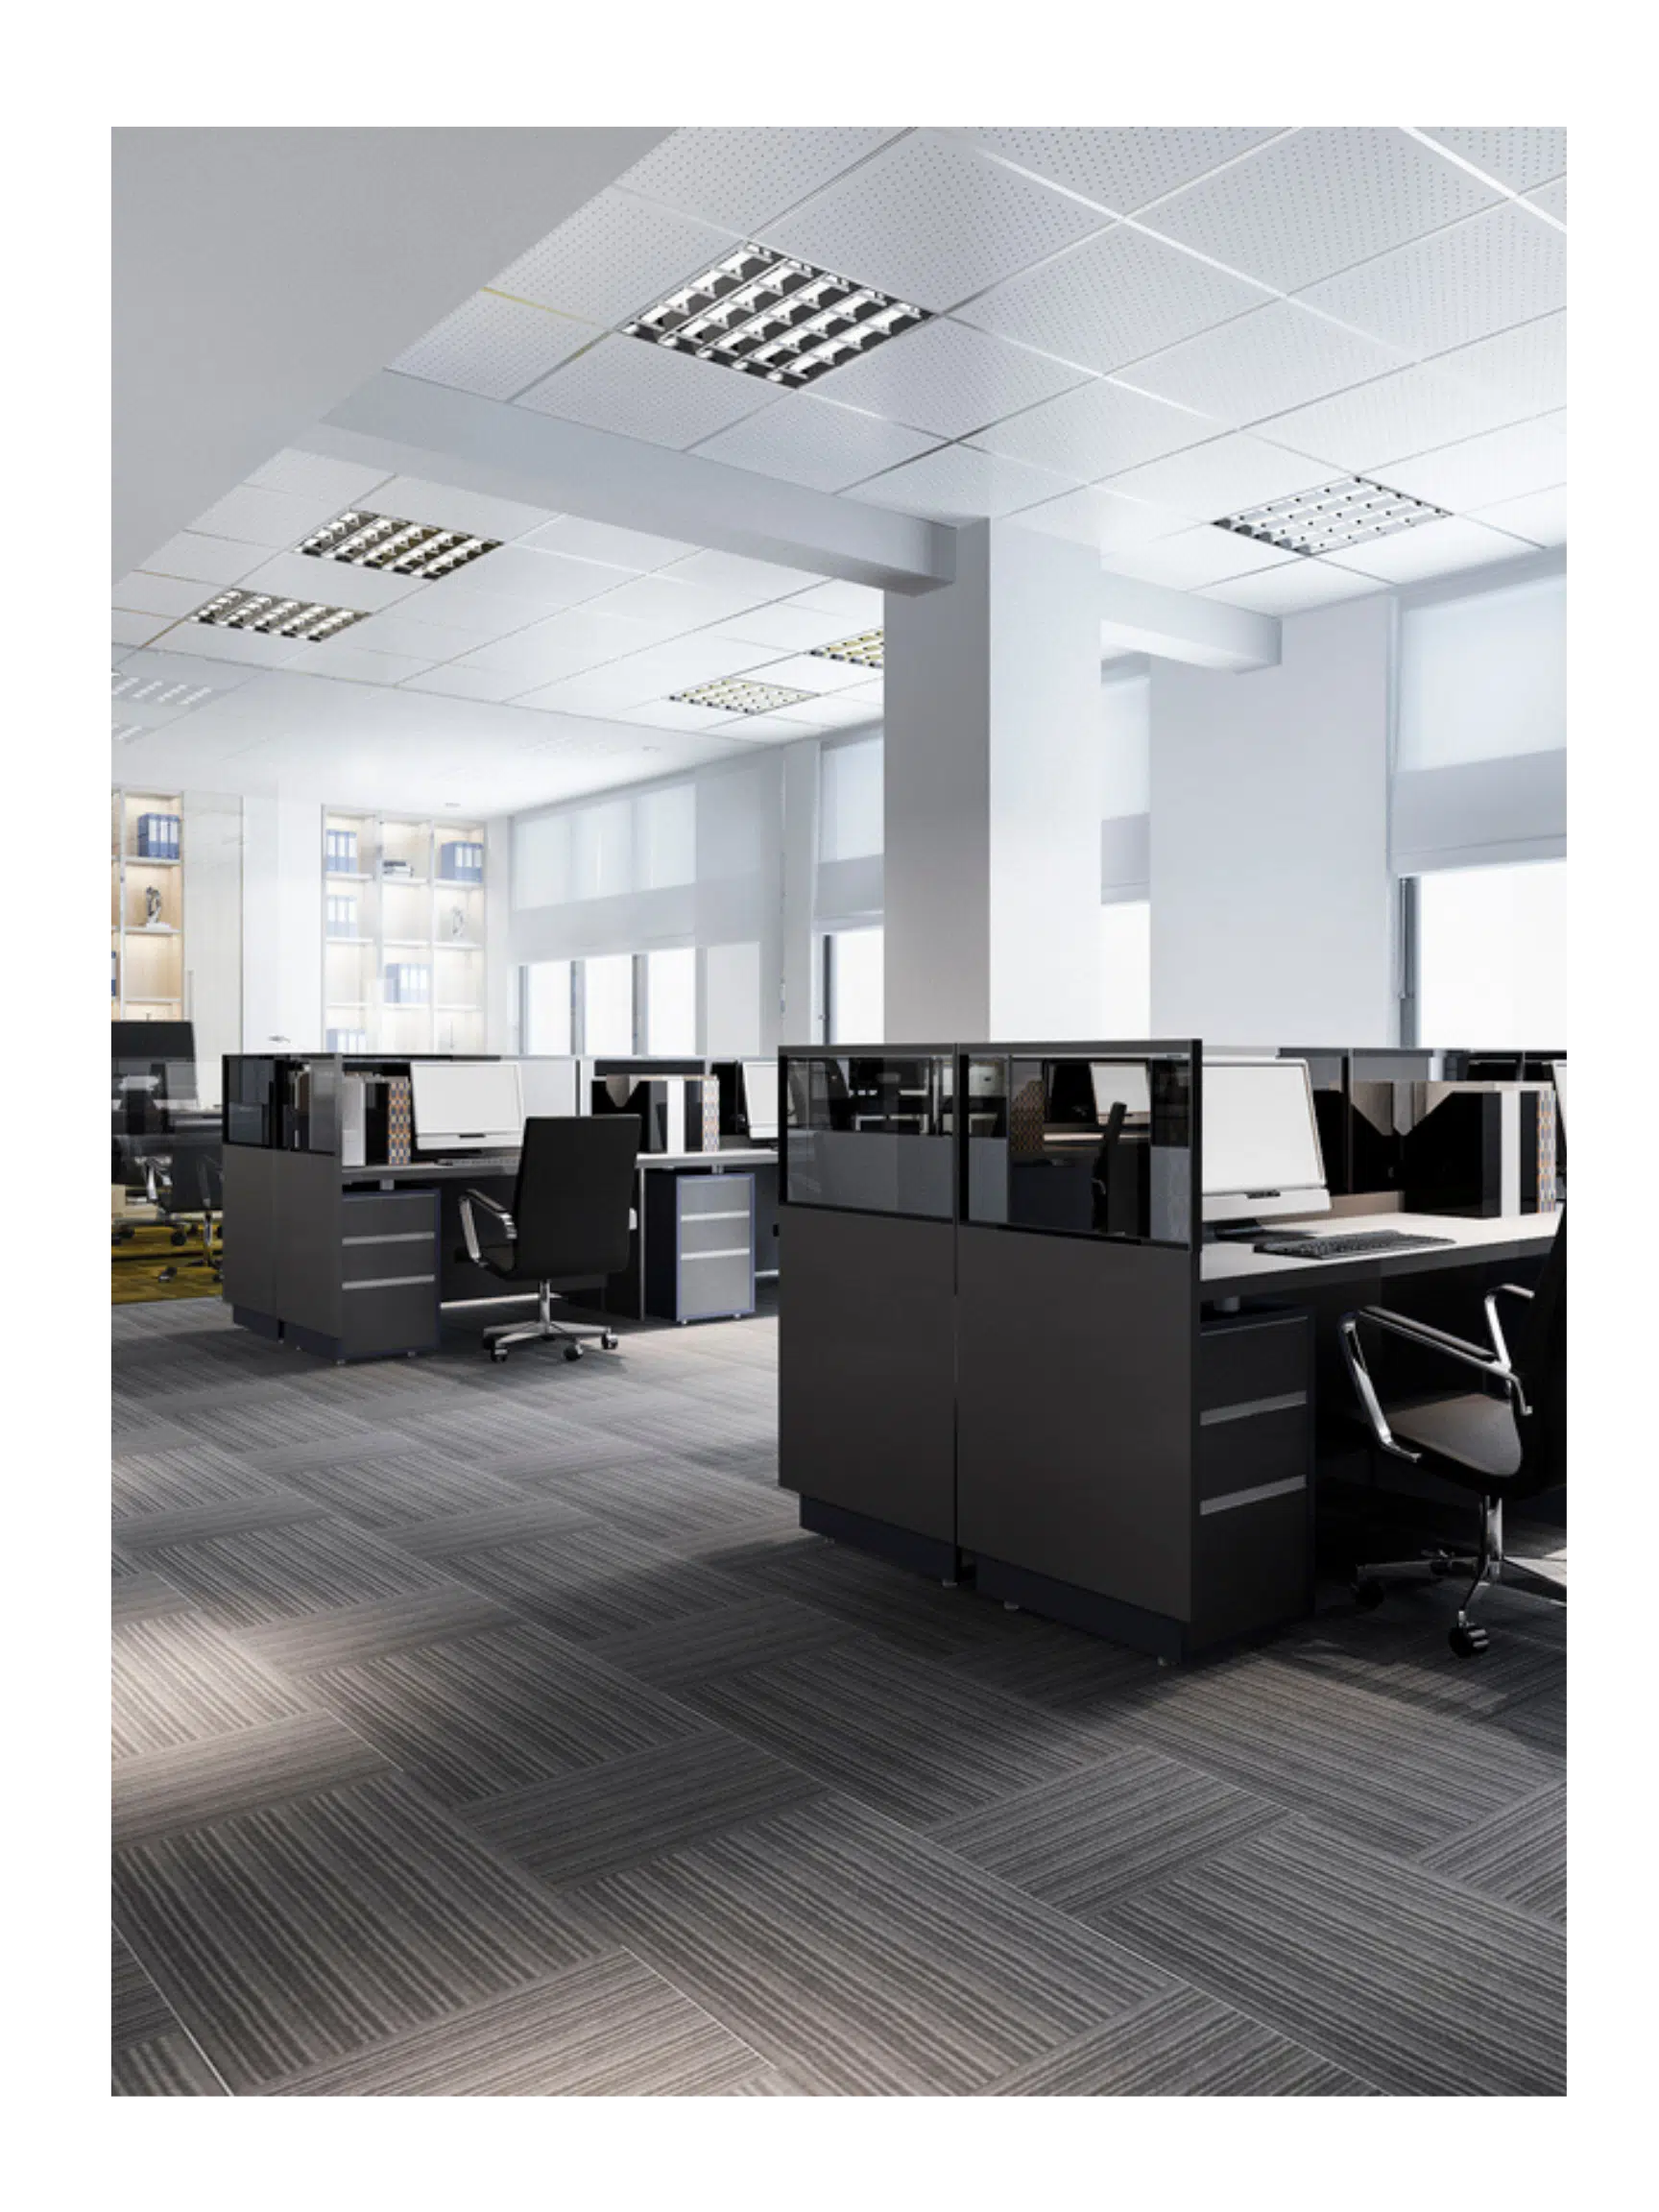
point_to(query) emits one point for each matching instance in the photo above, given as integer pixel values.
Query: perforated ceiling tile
(1465, 282)
(1262, 362)
(1518, 158)
(353, 666)
(1293, 588)
(1114, 300)
(259, 517)
(1435, 549)
(1095, 429)
(1122, 170)
(206, 560)
(543, 579)
(414, 635)
(1540, 516)
(646, 392)
(450, 507)
(1527, 365)
(126, 628)
(450, 682)
(1412, 411)
(1194, 558)
(1480, 471)
(1220, 478)
(495, 346)
(806, 440)
(931, 222)
(307, 476)
(957, 484)
(612, 259)
(947, 379)
(1102, 518)
(743, 179)
(1318, 202)
(141, 593)
(1552, 197)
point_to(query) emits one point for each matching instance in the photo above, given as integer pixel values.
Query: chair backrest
(1540, 1357)
(575, 1193)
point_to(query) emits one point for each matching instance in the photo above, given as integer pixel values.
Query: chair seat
(1472, 1430)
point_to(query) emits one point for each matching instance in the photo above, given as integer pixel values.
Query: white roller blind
(849, 817)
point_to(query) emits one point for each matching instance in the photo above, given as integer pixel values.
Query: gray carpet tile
(169, 2065)
(1406, 1660)
(220, 1776)
(1359, 1764)
(391, 1490)
(1541, 1722)
(244, 1419)
(827, 1938)
(479, 1714)
(1409, 1979)
(522, 1521)
(293, 1936)
(694, 1509)
(347, 1635)
(904, 1609)
(610, 2028)
(757, 1631)
(887, 1728)
(1134, 1818)
(176, 1678)
(226, 1517)
(305, 1566)
(141, 1593)
(1182, 2044)
(1520, 1856)
(137, 2009)
(592, 1580)
(581, 1825)
(1056, 1666)
(169, 1480)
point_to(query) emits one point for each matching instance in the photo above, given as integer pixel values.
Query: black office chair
(568, 1225)
(1504, 1439)
(186, 1187)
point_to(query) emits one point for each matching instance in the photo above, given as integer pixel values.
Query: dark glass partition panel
(287, 1103)
(870, 1132)
(1094, 1141)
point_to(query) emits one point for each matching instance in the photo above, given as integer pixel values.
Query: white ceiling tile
(340, 657)
(468, 683)
(1431, 549)
(1220, 478)
(836, 713)
(495, 346)
(635, 550)
(1194, 558)
(208, 642)
(543, 579)
(257, 518)
(140, 671)
(806, 440)
(1114, 300)
(959, 483)
(674, 714)
(1293, 588)
(947, 378)
(677, 607)
(141, 593)
(1104, 520)
(760, 581)
(316, 476)
(675, 665)
(1095, 429)
(539, 653)
(742, 179)
(602, 694)
(788, 628)
(613, 257)
(1475, 278)
(128, 627)
(1410, 412)
(649, 391)
(1540, 516)
(1123, 169)
(451, 604)
(411, 633)
(864, 606)
(216, 560)
(1552, 197)
(876, 690)
(583, 637)
(333, 582)
(769, 729)
(1480, 471)
(1527, 364)
(1261, 364)
(931, 223)
(1518, 158)
(1317, 201)
(800, 672)
(450, 507)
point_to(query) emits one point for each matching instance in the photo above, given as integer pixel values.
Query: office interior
(839, 1118)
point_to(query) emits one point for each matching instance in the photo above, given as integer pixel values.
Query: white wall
(212, 873)
(282, 924)
(1272, 902)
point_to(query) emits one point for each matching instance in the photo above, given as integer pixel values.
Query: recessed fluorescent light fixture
(774, 317)
(135, 689)
(1351, 512)
(400, 548)
(269, 616)
(740, 695)
(866, 651)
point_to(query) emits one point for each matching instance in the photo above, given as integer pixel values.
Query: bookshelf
(146, 906)
(402, 934)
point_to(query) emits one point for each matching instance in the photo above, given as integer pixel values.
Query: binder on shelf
(340, 852)
(462, 861)
(342, 915)
(158, 837)
(408, 983)
(397, 869)
(348, 1040)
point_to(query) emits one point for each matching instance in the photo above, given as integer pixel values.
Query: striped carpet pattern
(492, 1731)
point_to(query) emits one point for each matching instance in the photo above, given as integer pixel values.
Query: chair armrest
(1494, 1327)
(1428, 1339)
(470, 1226)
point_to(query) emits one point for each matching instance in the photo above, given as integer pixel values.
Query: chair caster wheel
(179, 1237)
(572, 1351)
(1368, 1593)
(498, 1353)
(1467, 1640)
(609, 1341)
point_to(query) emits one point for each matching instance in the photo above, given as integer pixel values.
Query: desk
(1230, 1269)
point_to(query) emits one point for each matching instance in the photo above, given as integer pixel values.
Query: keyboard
(1357, 1246)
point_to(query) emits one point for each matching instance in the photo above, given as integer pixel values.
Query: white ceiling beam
(259, 275)
(1136, 617)
(421, 429)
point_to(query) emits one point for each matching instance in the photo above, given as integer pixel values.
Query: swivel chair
(567, 1227)
(1504, 1439)
(185, 1185)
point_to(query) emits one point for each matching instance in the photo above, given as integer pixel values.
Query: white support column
(993, 782)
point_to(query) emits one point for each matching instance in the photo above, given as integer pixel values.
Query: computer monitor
(466, 1105)
(1262, 1154)
(760, 1099)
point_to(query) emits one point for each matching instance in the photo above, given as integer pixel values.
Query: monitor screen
(466, 1105)
(760, 1099)
(1261, 1141)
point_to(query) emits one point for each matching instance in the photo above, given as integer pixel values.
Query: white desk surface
(735, 1156)
(1235, 1262)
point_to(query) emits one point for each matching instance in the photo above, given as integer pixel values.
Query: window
(607, 1006)
(1491, 956)
(849, 817)
(853, 1011)
(671, 1004)
(1126, 964)
(547, 1006)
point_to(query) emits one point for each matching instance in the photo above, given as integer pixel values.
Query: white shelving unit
(146, 914)
(387, 906)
